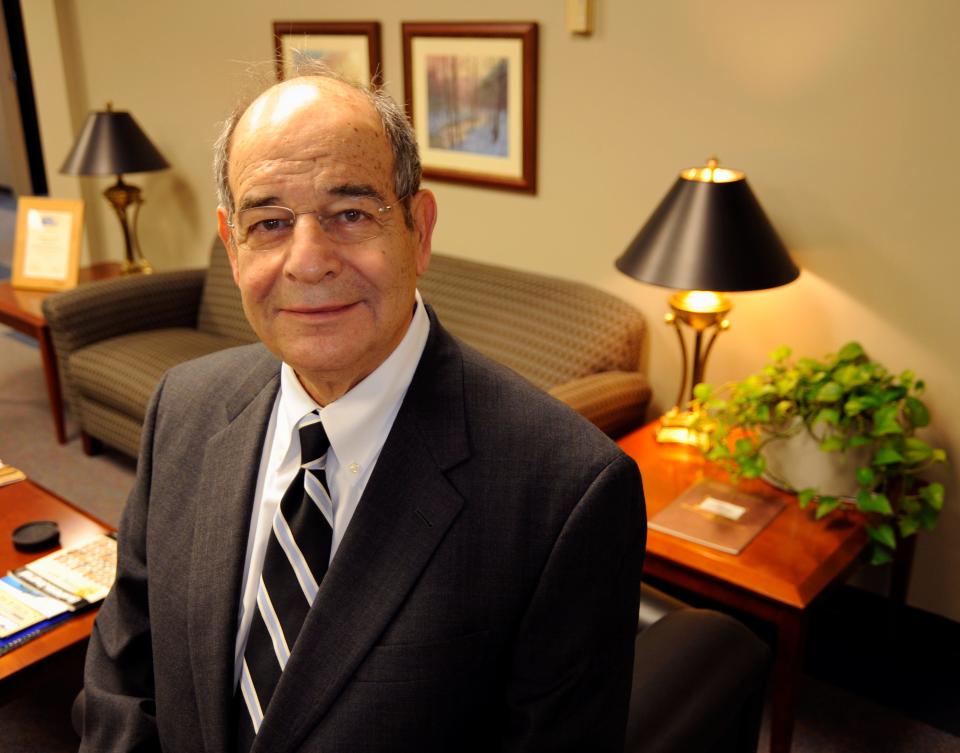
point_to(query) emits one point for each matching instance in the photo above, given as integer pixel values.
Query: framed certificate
(46, 251)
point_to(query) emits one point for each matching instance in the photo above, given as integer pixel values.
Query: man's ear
(223, 230)
(423, 208)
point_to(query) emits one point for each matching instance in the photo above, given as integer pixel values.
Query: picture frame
(471, 94)
(46, 250)
(352, 48)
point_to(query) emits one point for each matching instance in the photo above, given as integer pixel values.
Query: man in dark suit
(471, 568)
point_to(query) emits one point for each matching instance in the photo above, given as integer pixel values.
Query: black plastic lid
(35, 536)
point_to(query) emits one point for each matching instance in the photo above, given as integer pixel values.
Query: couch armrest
(118, 306)
(616, 401)
(698, 682)
(108, 308)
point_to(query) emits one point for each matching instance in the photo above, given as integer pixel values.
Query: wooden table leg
(787, 662)
(49, 358)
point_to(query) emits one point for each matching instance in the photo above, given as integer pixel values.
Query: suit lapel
(403, 515)
(223, 505)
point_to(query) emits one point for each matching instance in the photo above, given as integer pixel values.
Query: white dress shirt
(357, 425)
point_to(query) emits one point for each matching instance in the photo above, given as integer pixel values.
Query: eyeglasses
(269, 227)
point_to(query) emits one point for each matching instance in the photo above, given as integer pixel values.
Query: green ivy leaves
(846, 401)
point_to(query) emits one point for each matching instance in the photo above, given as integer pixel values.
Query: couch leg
(91, 445)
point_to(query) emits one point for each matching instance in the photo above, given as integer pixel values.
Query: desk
(22, 502)
(776, 578)
(21, 310)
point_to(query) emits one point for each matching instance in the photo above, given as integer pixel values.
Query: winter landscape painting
(467, 103)
(471, 94)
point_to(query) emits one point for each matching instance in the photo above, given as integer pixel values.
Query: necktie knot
(313, 438)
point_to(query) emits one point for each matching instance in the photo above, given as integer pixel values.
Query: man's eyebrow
(250, 203)
(362, 190)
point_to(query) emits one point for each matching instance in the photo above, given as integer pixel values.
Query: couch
(115, 338)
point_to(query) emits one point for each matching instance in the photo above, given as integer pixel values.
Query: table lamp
(708, 236)
(111, 143)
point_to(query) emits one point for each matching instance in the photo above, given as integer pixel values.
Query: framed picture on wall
(46, 245)
(351, 48)
(471, 92)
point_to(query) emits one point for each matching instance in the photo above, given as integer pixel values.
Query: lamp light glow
(701, 301)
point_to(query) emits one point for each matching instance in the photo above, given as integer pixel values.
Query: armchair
(698, 680)
(114, 339)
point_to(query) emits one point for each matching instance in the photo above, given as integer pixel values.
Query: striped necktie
(294, 565)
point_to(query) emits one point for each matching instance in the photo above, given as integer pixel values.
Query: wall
(838, 112)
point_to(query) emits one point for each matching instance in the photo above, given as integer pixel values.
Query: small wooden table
(21, 310)
(776, 577)
(20, 503)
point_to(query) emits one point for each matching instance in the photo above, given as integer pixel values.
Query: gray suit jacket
(484, 596)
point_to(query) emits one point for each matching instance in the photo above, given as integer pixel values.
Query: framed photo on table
(471, 92)
(46, 250)
(352, 48)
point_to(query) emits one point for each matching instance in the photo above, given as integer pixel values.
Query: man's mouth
(317, 312)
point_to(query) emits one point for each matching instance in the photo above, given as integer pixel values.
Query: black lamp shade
(112, 143)
(709, 236)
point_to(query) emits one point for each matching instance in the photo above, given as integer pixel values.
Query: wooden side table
(22, 502)
(775, 578)
(21, 310)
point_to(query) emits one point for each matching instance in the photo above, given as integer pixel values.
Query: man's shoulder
(525, 414)
(221, 372)
(229, 363)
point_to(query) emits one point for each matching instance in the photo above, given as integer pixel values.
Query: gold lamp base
(701, 311)
(676, 427)
(136, 267)
(122, 197)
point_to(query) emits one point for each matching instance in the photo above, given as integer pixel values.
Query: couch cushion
(548, 330)
(122, 372)
(221, 310)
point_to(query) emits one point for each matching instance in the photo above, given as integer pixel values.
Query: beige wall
(838, 112)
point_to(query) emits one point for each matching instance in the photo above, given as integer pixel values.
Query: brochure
(9, 474)
(56, 585)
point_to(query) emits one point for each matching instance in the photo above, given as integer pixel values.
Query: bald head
(289, 98)
(315, 84)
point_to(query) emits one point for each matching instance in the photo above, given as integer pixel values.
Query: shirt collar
(357, 423)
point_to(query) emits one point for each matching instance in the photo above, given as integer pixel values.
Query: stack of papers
(38, 595)
(9, 474)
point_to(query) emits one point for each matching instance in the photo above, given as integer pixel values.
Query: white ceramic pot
(798, 463)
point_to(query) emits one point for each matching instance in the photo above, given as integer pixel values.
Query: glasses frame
(321, 219)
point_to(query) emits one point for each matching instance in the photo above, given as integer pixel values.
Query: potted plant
(850, 406)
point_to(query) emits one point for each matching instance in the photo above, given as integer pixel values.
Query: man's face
(333, 311)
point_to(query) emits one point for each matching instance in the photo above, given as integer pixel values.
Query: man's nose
(312, 255)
